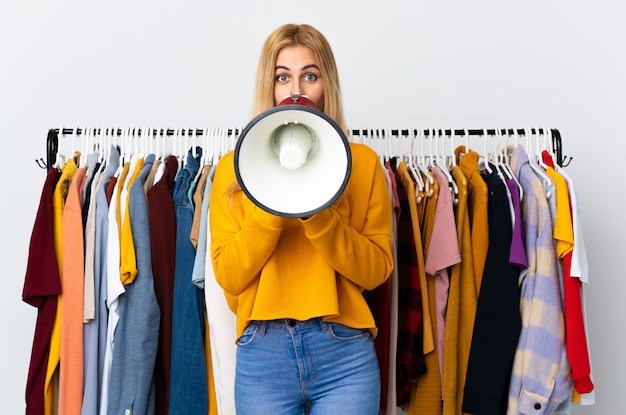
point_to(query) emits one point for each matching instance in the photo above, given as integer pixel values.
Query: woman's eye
(282, 78)
(310, 77)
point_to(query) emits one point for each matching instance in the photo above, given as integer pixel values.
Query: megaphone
(293, 160)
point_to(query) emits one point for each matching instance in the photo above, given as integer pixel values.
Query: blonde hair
(304, 35)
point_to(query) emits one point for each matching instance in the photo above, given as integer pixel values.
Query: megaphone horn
(293, 160)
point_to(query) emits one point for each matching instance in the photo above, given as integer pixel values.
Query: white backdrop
(447, 64)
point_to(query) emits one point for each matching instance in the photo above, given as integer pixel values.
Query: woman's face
(298, 70)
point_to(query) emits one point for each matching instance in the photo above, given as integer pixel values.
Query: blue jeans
(287, 367)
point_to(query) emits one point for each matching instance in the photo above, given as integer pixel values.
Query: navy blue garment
(498, 322)
(188, 385)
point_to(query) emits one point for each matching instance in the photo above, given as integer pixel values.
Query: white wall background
(447, 64)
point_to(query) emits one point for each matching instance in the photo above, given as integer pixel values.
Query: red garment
(163, 247)
(575, 335)
(42, 285)
(410, 356)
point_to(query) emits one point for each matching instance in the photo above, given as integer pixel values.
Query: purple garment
(517, 254)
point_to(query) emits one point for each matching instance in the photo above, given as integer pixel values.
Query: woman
(296, 284)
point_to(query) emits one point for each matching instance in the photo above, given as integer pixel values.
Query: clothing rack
(52, 141)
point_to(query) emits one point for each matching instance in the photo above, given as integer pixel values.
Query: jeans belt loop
(325, 325)
(262, 327)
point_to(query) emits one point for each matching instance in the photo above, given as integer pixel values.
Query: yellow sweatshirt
(272, 267)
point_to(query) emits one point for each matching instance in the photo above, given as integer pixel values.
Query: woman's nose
(295, 86)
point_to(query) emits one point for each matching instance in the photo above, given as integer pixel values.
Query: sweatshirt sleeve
(243, 236)
(360, 250)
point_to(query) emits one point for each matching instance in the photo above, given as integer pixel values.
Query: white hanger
(443, 166)
(540, 147)
(422, 167)
(84, 146)
(205, 145)
(202, 155)
(411, 157)
(102, 145)
(180, 152)
(449, 153)
(506, 165)
(546, 181)
(485, 153)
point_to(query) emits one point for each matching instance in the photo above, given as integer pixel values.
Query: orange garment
(462, 303)
(426, 392)
(73, 265)
(477, 210)
(209, 370)
(409, 185)
(52, 374)
(128, 259)
(198, 196)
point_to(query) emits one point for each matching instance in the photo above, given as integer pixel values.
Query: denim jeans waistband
(290, 325)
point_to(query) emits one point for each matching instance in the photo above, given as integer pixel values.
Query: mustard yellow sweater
(273, 267)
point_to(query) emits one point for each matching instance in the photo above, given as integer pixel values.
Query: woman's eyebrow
(303, 68)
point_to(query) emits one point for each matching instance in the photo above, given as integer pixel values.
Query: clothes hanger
(202, 155)
(180, 152)
(84, 145)
(506, 165)
(485, 155)
(546, 181)
(410, 158)
(422, 166)
(541, 133)
(440, 161)
(449, 153)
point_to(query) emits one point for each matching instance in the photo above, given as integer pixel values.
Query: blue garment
(199, 265)
(100, 272)
(188, 385)
(136, 338)
(287, 366)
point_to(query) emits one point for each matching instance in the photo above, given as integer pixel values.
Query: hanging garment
(462, 302)
(223, 333)
(198, 275)
(579, 270)
(477, 209)
(42, 286)
(188, 385)
(52, 373)
(91, 406)
(391, 402)
(410, 355)
(379, 300)
(539, 381)
(136, 337)
(128, 256)
(497, 324)
(163, 249)
(115, 288)
(72, 282)
(443, 253)
(93, 175)
(426, 394)
(91, 291)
